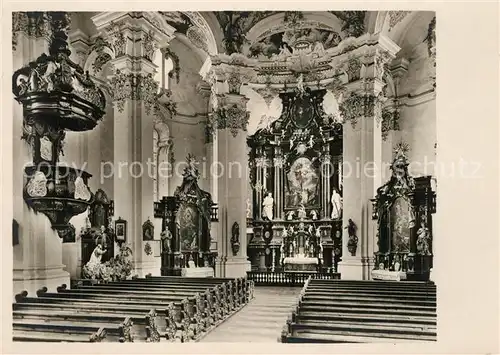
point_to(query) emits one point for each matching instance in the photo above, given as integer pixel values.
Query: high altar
(295, 166)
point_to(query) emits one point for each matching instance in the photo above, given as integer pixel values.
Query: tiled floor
(261, 320)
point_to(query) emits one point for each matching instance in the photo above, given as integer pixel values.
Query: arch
(204, 21)
(98, 60)
(275, 23)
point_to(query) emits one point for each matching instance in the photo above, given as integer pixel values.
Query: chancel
(173, 163)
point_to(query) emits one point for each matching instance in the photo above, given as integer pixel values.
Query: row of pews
(338, 311)
(150, 309)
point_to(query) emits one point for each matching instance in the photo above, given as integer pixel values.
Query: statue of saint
(314, 215)
(336, 204)
(268, 207)
(290, 215)
(93, 267)
(423, 240)
(166, 237)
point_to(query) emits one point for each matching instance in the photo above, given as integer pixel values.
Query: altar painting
(187, 220)
(302, 184)
(401, 223)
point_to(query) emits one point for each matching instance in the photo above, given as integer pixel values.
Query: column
(136, 41)
(232, 119)
(259, 182)
(362, 150)
(37, 259)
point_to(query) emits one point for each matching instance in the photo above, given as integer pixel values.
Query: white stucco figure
(336, 204)
(267, 205)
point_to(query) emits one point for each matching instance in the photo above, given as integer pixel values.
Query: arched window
(165, 66)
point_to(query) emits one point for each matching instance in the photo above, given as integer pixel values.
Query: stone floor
(261, 320)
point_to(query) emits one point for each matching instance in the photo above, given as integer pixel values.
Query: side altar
(403, 209)
(295, 172)
(186, 219)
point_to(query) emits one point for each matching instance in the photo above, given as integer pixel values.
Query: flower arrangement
(117, 268)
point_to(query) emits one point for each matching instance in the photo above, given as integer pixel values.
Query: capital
(231, 113)
(135, 34)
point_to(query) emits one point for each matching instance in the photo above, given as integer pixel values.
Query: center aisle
(261, 321)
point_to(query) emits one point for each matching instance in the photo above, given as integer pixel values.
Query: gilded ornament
(353, 68)
(32, 24)
(232, 117)
(352, 108)
(118, 39)
(148, 45)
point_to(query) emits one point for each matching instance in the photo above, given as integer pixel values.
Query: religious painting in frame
(401, 224)
(188, 220)
(148, 230)
(121, 230)
(302, 184)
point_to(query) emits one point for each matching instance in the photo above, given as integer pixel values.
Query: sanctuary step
(338, 311)
(261, 320)
(140, 310)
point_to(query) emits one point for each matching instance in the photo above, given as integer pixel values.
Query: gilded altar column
(278, 163)
(37, 252)
(135, 41)
(260, 162)
(361, 108)
(326, 173)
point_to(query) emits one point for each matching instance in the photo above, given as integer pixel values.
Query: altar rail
(263, 278)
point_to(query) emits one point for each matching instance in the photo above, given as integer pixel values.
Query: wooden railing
(265, 278)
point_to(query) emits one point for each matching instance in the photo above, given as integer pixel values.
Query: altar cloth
(300, 260)
(388, 275)
(197, 272)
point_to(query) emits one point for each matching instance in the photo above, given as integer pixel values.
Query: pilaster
(361, 109)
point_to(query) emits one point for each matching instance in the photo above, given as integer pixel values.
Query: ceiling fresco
(236, 24)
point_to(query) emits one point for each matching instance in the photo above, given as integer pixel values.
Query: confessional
(296, 161)
(403, 208)
(98, 228)
(185, 238)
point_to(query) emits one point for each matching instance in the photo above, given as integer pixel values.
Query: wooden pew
(354, 311)
(67, 334)
(117, 327)
(179, 311)
(134, 310)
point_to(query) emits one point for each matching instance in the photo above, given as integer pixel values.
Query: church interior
(224, 176)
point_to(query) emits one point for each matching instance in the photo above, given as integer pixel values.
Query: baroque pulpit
(295, 171)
